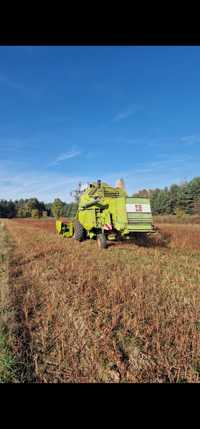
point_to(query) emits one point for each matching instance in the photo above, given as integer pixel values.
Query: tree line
(176, 199)
(31, 207)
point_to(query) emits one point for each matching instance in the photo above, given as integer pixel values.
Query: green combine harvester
(107, 214)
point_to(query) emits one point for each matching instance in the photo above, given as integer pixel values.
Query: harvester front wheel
(78, 231)
(101, 241)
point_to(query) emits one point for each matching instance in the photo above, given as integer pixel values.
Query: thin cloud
(156, 174)
(44, 185)
(64, 156)
(122, 115)
(126, 113)
(190, 140)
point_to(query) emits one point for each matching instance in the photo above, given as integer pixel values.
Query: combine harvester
(107, 214)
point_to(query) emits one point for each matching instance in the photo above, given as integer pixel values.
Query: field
(125, 314)
(183, 219)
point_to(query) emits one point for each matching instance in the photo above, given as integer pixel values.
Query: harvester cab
(107, 214)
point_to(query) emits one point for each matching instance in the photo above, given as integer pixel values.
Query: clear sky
(87, 113)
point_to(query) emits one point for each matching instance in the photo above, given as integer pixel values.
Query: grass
(7, 362)
(183, 219)
(126, 314)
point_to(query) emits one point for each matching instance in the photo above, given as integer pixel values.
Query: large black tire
(101, 241)
(141, 238)
(78, 231)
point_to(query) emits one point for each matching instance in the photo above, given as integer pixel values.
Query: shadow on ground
(150, 241)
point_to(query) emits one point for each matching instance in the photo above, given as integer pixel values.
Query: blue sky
(70, 114)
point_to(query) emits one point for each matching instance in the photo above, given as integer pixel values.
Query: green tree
(31, 204)
(20, 212)
(35, 213)
(160, 202)
(185, 200)
(57, 207)
(7, 209)
(174, 195)
(194, 187)
(196, 206)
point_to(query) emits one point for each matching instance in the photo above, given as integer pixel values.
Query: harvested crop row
(125, 314)
(46, 224)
